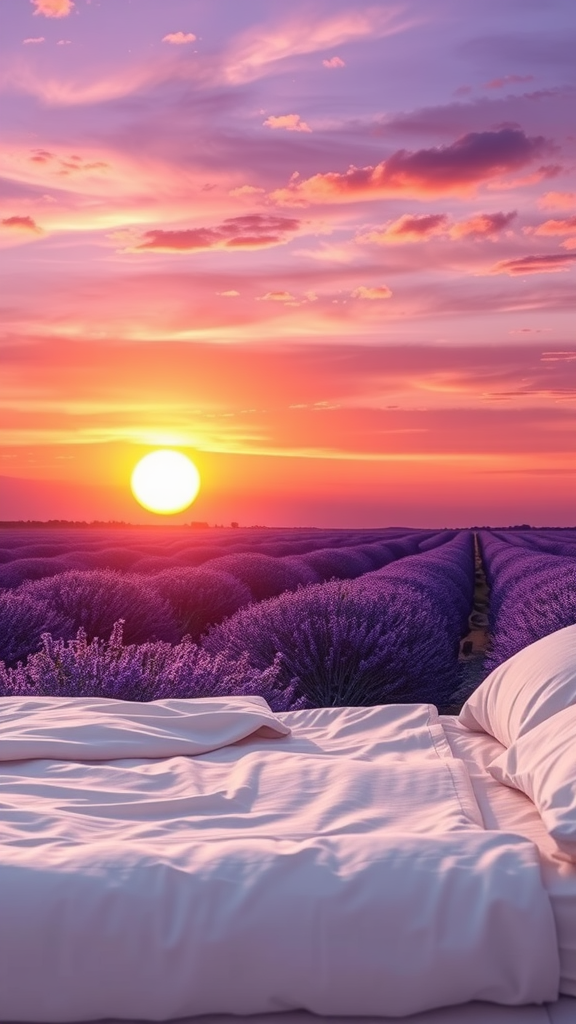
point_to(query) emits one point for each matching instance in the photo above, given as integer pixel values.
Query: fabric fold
(98, 729)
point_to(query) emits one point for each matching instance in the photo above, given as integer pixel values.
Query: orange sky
(326, 250)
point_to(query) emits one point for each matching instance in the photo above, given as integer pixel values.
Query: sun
(165, 482)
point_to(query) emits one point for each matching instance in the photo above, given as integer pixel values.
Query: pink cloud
(254, 231)
(334, 62)
(423, 226)
(246, 190)
(35, 39)
(534, 265)
(408, 228)
(22, 224)
(179, 38)
(53, 8)
(482, 225)
(66, 165)
(378, 292)
(64, 42)
(281, 296)
(557, 201)
(557, 227)
(499, 83)
(41, 156)
(289, 122)
(460, 167)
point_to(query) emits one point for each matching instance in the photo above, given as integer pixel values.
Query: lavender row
(172, 603)
(389, 636)
(532, 594)
(544, 543)
(45, 555)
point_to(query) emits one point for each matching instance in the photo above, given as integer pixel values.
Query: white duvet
(332, 860)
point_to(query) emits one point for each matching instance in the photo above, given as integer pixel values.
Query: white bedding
(511, 811)
(343, 869)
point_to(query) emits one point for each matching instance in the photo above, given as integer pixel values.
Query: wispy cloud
(33, 40)
(499, 83)
(280, 296)
(334, 62)
(257, 52)
(54, 89)
(534, 264)
(253, 231)
(559, 357)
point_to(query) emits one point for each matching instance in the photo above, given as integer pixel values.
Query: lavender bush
(23, 620)
(436, 540)
(263, 575)
(150, 671)
(32, 550)
(14, 573)
(343, 563)
(190, 557)
(347, 642)
(95, 600)
(200, 597)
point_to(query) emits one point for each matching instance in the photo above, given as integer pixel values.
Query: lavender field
(306, 618)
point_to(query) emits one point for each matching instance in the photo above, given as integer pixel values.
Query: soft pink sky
(327, 249)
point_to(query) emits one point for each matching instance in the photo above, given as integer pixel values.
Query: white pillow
(543, 766)
(530, 687)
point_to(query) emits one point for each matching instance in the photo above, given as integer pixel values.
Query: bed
(207, 859)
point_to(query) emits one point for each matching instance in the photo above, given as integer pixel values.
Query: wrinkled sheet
(99, 729)
(341, 869)
(563, 1011)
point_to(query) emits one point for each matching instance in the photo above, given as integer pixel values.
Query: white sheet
(100, 729)
(508, 809)
(156, 889)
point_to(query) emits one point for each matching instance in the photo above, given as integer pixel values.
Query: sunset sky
(325, 248)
